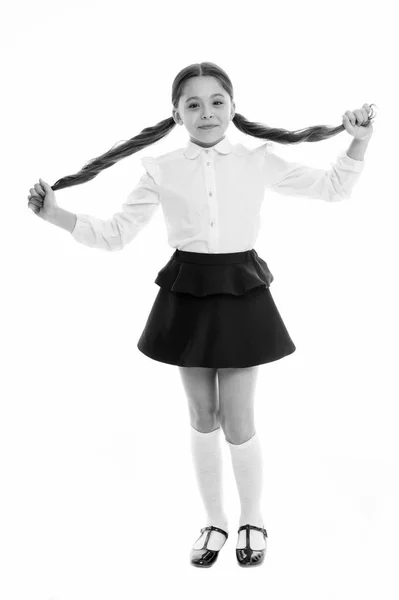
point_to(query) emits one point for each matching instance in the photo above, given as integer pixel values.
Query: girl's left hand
(353, 122)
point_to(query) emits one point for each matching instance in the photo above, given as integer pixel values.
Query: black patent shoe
(203, 557)
(247, 557)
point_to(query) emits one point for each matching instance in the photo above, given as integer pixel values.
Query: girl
(214, 316)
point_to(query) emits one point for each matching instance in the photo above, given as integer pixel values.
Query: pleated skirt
(216, 311)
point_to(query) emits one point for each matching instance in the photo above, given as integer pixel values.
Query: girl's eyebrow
(198, 98)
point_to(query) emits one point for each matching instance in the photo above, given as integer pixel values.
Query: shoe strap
(212, 527)
(248, 527)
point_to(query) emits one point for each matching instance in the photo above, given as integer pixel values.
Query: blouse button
(208, 163)
(210, 193)
(207, 151)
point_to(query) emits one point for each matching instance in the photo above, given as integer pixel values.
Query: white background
(98, 497)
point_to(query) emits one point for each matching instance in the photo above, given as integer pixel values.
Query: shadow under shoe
(247, 557)
(203, 557)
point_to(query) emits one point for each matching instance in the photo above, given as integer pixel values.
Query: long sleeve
(139, 208)
(296, 179)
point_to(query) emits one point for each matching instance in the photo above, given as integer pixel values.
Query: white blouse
(211, 197)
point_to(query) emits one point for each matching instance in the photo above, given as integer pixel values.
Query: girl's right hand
(42, 200)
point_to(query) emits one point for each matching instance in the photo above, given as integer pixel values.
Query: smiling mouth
(208, 127)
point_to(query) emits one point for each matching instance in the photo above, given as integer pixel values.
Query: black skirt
(215, 310)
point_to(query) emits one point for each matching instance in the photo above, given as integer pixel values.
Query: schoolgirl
(214, 316)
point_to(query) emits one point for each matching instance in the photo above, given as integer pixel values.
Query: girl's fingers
(361, 116)
(346, 122)
(37, 198)
(358, 117)
(40, 189)
(35, 202)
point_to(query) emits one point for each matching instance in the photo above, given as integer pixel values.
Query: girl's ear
(176, 117)
(233, 110)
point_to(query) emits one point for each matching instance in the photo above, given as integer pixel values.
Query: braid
(153, 134)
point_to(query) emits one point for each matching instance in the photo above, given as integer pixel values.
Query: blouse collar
(192, 150)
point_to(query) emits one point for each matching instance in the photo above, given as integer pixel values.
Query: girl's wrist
(62, 218)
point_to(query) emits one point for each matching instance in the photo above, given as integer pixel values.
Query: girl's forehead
(199, 87)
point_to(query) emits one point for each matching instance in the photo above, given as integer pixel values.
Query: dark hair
(150, 135)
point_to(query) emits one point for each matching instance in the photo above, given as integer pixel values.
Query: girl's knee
(236, 401)
(205, 424)
(238, 436)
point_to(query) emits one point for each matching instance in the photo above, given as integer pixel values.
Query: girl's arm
(63, 218)
(295, 179)
(357, 149)
(123, 226)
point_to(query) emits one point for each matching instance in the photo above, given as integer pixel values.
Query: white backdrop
(98, 495)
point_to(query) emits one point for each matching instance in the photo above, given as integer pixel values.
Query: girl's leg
(200, 385)
(236, 401)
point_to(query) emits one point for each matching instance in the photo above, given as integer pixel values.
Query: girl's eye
(190, 105)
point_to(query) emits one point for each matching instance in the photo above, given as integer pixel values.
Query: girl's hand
(354, 122)
(42, 200)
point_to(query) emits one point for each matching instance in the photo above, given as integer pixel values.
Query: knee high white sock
(207, 457)
(248, 471)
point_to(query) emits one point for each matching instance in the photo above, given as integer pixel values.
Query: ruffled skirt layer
(216, 311)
